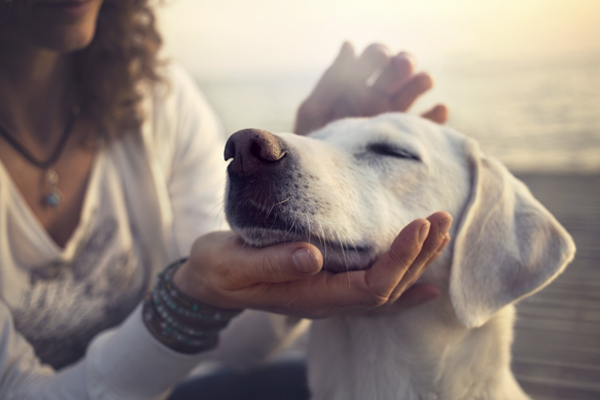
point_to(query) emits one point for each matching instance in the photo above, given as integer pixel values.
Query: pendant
(53, 196)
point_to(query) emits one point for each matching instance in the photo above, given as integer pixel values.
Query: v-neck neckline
(50, 246)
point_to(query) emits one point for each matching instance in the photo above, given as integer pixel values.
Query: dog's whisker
(342, 241)
(291, 227)
(270, 211)
(274, 205)
(322, 241)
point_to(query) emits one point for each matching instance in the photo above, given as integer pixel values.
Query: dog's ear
(508, 245)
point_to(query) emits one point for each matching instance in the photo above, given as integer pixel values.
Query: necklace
(52, 196)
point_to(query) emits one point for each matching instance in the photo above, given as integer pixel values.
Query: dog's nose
(253, 150)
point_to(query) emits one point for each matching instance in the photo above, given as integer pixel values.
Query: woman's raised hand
(345, 89)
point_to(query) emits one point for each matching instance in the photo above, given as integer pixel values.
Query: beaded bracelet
(180, 322)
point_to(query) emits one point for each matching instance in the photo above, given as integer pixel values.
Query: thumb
(282, 263)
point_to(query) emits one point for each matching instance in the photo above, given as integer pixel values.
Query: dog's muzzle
(268, 200)
(255, 152)
(259, 179)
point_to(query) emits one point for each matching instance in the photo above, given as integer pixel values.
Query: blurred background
(522, 76)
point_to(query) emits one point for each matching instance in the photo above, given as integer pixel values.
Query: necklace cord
(44, 164)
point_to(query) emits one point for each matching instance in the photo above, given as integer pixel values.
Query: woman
(110, 169)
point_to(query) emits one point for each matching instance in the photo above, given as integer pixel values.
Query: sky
(221, 37)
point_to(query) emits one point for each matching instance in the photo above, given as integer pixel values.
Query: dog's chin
(337, 257)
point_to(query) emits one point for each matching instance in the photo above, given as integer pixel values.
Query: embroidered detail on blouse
(68, 303)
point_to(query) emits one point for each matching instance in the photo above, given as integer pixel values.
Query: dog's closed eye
(390, 150)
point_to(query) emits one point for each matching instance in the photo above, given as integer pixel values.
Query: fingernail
(443, 244)
(403, 63)
(424, 80)
(423, 232)
(304, 261)
(444, 226)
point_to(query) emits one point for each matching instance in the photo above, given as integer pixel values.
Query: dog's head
(351, 186)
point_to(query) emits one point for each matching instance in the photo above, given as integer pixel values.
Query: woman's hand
(224, 272)
(344, 89)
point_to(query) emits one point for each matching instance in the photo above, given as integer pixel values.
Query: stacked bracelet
(180, 322)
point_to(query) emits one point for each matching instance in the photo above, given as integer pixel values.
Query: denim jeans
(284, 380)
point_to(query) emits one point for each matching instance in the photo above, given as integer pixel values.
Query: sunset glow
(212, 36)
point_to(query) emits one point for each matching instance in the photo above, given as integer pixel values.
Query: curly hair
(110, 70)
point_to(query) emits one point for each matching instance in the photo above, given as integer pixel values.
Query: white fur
(353, 202)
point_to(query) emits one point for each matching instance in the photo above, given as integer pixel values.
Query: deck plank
(556, 353)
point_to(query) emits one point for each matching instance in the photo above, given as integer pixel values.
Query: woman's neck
(35, 90)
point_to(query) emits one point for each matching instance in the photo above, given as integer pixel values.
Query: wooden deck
(556, 354)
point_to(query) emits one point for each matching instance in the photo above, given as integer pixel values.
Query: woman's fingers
(393, 265)
(372, 288)
(436, 241)
(415, 87)
(335, 78)
(356, 100)
(406, 294)
(395, 76)
(383, 288)
(438, 114)
(439, 250)
(241, 265)
(315, 110)
(344, 91)
(222, 268)
(274, 266)
(372, 59)
(439, 225)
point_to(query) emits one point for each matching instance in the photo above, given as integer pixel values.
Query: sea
(538, 115)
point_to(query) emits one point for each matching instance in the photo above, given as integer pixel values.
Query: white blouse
(146, 202)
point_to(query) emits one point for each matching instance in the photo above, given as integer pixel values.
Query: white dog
(348, 189)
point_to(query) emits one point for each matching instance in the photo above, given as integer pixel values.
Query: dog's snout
(253, 150)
